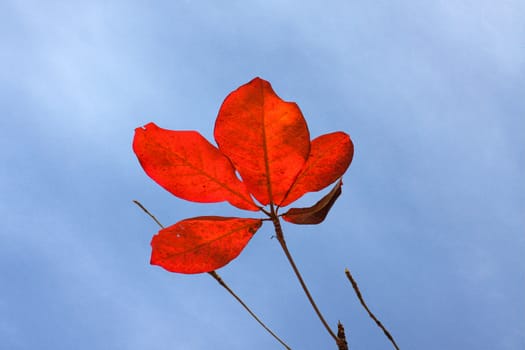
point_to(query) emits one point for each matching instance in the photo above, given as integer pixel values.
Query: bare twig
(360, 297)
(219, 280)
(147, 212)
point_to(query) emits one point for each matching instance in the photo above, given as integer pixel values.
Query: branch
(360, 297)
(222, 283)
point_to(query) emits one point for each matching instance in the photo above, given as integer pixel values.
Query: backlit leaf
(316, 213)
(266, 138)
(188, 166)
(330, 156)
(201, 244)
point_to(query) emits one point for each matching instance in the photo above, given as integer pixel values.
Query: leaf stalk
(280, 237)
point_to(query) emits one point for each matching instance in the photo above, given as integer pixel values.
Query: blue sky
(431, 221)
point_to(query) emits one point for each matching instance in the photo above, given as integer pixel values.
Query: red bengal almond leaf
(266, 138)
(188, 166)
(201, 244)
(316, 213)
(330, 156)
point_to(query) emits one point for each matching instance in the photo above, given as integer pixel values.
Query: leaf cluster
(264, 160)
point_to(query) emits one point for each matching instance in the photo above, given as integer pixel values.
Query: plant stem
(222, 283)
(147, 212)
(282, 242)
(372, 316)
(219, 280)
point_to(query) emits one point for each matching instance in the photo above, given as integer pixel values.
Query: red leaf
(202, 244)
(316, 213)
(266, 138)
(188, 166)
(330, 156)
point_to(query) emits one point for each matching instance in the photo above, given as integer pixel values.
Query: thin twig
(218, 278)
(221, 282)
(360, 297)
(282, 242)
(147, 212)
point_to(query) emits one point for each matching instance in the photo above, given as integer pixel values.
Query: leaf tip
(145, 127)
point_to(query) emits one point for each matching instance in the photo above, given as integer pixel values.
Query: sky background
(431, 220)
